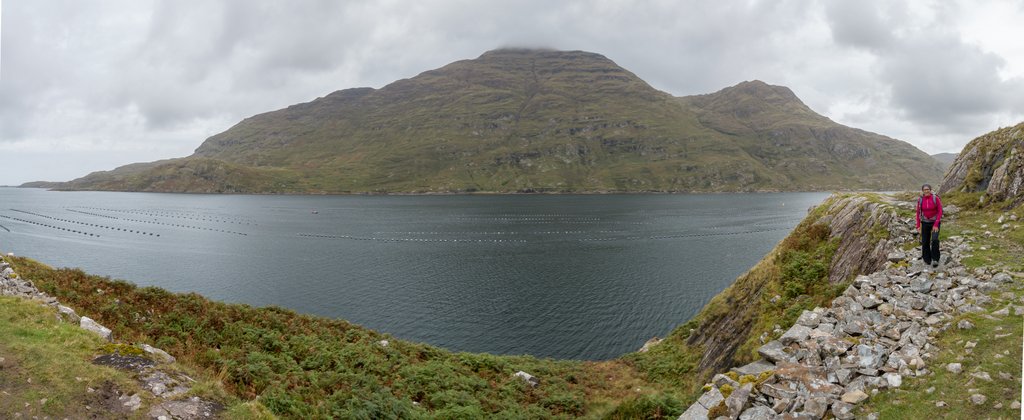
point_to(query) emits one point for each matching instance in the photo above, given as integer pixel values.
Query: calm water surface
(582, 277)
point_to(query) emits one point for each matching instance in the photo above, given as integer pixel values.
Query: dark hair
(926, 185)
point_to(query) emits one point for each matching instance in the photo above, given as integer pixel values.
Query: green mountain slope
(537, 120)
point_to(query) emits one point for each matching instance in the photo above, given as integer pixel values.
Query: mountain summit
(520, 120)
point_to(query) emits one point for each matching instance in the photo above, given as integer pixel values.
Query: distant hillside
(41, 184)
(991, 166)
(534, 121)
(945, 159)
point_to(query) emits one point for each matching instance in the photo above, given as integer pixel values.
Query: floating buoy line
(175, 215)
(455, 240)
(361, 238)
(49, 226)
(88, 224)
(93, 214)
(166, 224)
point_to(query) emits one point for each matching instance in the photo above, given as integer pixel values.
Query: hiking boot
(935, 264)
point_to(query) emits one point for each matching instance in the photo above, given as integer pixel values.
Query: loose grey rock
(894, 379)
(816, 407)
(88, 324)
(978, 399)
(983, 376)
(796, 333)
(157, 354)
(777, 391)
(1002, 312)
(775, 352)
(720, 379)
(809, 319)
(1015, 405)
(1002, 278)
(68, 314)
(192, 408)
(758, 412)
(954, 368)
(842, 411)
(528, 378)
(711, 398)
(737, 401)
(964, 325)
(854, 397)
(695, 412)
(921, 285)
(755, 368)
(133, 402)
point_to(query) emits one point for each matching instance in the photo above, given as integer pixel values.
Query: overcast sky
(90, 85)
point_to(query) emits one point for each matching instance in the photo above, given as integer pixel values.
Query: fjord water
(575, 276)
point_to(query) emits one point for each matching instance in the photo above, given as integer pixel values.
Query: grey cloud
(936, 80)
(865, 24)
(941, 80)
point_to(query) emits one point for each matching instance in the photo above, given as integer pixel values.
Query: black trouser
(929, 242)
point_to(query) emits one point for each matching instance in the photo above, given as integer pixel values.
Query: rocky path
(164, 387)
(880, 331)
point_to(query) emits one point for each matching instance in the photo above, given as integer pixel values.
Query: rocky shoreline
(151, 367)
(881, 330)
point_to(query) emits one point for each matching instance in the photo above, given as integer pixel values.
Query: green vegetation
(45, 365)
(294, 365)
(533, 121)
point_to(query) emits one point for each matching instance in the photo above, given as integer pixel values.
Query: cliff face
(844, 237)
(863, 230)
(992, 164)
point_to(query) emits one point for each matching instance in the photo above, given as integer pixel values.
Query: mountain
(517, 120)
(945, 158)
(990, 166)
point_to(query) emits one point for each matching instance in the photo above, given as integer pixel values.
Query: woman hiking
(929, 216)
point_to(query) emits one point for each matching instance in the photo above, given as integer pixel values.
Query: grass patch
(46, 369)
(1002, 249)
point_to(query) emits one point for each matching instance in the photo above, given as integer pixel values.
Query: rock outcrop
(856, 223)
(993, 164)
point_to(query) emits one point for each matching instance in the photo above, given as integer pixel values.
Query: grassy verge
(46, 370)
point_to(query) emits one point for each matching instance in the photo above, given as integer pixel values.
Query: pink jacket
(929, 209)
